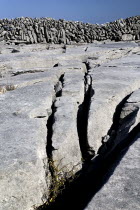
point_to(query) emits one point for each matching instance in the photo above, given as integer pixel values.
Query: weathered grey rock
(33, 88)
(110, 88)
(67, 108)
(23, 143)
(53, 31)
(122, 188)
(127, 37)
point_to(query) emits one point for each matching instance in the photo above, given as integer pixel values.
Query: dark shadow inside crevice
(58, 87)
(51, 120)
(87, 64)
(116, 116)
(93, 177)
(109, 139)
(95, 173)
(82, 122)
(49, 125)
(122, 131)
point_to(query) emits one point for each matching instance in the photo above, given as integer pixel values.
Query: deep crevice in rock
(82, 119)
(117, 113)
(108, 140)
(87, 64)
(94, 175)
(58, 87)
(49, 148)
(58, 93)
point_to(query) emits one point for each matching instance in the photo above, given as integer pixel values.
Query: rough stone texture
(122, 189)
(65, 136)
(111, 83)
(47, 30)
(23, 140)
(41, 82)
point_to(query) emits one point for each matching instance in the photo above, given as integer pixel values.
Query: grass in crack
(61, 179)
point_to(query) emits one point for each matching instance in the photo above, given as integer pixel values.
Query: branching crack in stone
(82, 119)
(97, 172)
(116, 117)
(87, 63)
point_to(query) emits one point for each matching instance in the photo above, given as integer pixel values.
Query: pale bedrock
(121, 191)
(111, 85)
(65, 140)
(23, 141)
(38, 81)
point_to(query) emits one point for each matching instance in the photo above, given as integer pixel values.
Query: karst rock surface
(122, 188)
(63, 105)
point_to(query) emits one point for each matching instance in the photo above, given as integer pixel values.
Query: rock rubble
(47, 30)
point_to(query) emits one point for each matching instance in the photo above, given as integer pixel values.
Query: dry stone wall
(47, 30)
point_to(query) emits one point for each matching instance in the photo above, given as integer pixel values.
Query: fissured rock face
(61, 107)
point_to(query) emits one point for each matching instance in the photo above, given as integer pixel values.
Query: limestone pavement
(61, 106)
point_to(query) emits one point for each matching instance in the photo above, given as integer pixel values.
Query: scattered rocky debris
(47, 30)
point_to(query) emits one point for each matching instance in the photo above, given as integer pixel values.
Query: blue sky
(92, 11)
